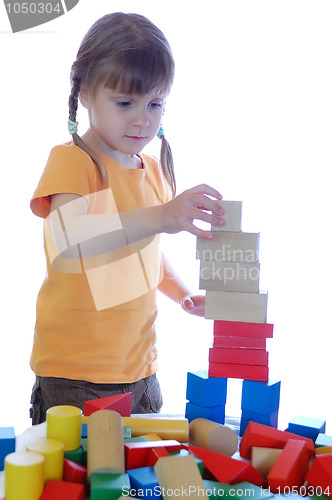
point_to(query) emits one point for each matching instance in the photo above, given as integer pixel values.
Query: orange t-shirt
(96, 315)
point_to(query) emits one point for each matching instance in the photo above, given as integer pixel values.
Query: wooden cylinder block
(64, 423)
(166, 428)
(52, 450)
(24, 475)
(213, 436)
(105, 442)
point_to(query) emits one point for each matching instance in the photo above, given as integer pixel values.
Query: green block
(138, 439)
(126, 432)
(108, 486)
(75, 455)
(84, 446)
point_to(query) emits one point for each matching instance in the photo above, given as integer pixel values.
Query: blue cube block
(7, 444)
(144, 483)
(270, 419)
(307, 427)
(214, 413)
(206, 391)
(260, 397)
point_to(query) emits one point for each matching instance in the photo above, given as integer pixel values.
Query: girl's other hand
(194, 305)
(195, 203)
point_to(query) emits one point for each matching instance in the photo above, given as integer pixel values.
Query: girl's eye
(124, 104)
(155, 105)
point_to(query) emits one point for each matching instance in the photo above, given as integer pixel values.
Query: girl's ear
(84, 96)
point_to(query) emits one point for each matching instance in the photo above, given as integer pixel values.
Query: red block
(54, 490)
(137, 454)
(227, 469)
(119, 402)
(290, 468)
(268, 437)
(237, 342)
(155, 454)
(242, 329)
(246, 372)
(239, 356)
(320, 474)
(73, 472)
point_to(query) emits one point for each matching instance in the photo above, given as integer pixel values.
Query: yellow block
(24, 475)
(323, 450)
(166, 428)
(64, 424)
(52, 451)
(152, 437)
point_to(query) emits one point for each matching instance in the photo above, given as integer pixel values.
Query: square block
(307, 427)
(108, 486)
(260, 397)
(214, 413)
(229, 247)
(7, 444)
(232, 216)
(229, 276)
(236, 306)
(247, 372)
(144, 480)
(323, 440)
(206, 391)
(239, 342)
(249, 416)
(238, 356)
(243, 329)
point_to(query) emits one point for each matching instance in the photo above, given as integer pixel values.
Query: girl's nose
(140, 119)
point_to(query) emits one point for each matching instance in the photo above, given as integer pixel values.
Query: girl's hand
(194, 305)
(195, 203)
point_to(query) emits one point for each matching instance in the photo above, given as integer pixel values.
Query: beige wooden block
(229, 276)
(213, 436)
(236, 306)
(263, 459)
(229, 246)
(105, 442)
(179, 476)
(232, 216)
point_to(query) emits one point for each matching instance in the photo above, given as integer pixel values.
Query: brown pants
(52, 391)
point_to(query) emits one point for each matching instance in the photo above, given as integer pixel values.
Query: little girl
(105, 205)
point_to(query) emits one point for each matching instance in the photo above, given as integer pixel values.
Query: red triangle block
(227, 469)
(269, 437)
(119, 402)
(290, 468)
(55, 489)
(320, 474)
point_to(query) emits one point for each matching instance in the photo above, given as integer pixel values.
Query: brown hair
(126, 52)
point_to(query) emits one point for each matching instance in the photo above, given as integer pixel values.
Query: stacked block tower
(230, 272)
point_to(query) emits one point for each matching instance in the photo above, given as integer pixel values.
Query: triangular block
(320, 474)
(119, 402)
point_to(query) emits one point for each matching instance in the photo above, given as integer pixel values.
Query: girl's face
(126, 123)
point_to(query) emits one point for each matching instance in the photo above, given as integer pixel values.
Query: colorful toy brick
(54, 490)
(206, 391)
(242, 329)
(290, 468)
(263, 459)
(270, 419)
(214, 413)
(323, 440)
(138, 454)
(64, 423)
(73, 472)
(229, 246)
(155, 454)
(319, 475)
(166, 428)
(108, 486)
(260, 397)
(52, 451)
(239, 342)
(262, 435)
(213, 436)
(250, 372)
(119, 402)
(307, 427)
(24, 475)
(144, 480)
(7, 444)
(226, 469)
(238, 356)
(236, 306)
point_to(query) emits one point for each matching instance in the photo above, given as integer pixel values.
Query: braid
(167, 164)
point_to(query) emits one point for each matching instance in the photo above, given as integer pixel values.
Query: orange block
(290, 467)
(119, 402)
(263, 435)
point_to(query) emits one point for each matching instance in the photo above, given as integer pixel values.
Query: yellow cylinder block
(64, 423)
(24, 475)
(52, 450)
(166, 428)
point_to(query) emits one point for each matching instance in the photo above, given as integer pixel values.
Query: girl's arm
(101, 233)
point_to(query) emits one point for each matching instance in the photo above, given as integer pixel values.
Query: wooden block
(239, 342)
(205, 391)
(108, 485)
(270, 419)
(319, 475)
(213, 436)
(7, 444)
(137, 454)
(243, 329)
(24, 475)
(307, 427)
(229, 276)
(166, 428)
(178, 474)
(238, 356)
(248, 372)
(290, 468)
(232, 216)
(263, 459)
(261, 397)
(323, 440)
(323, 450)
(73, 472)
(54, 490)
(152, 437)
(236, 306)
(226, 469)
(53, 452)
(155, 454)
(144, 480)
(214, 413)
(261, 435)
(229, 247)
(119, 402)
(105, 442)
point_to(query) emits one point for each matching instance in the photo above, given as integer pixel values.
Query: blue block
(84, 431)
(7, 444)
(307, 427)
(143, 483)
(206, 391)
(260, 397)
(214, 413)
(323, 440)
(270, 419)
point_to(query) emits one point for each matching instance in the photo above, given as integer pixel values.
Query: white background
(251, 114)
